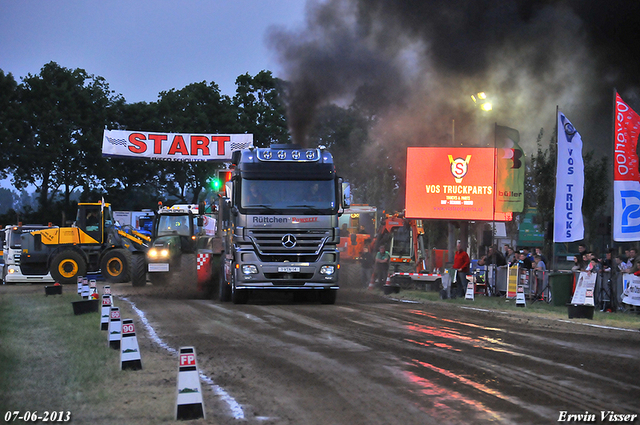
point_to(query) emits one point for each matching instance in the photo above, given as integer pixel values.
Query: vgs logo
(630, 211)
(459, 167)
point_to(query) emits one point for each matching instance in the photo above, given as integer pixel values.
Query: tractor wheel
(211, 286)
(67, 266)
(139, 270)
(115, 265)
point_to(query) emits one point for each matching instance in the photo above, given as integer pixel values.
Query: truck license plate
(289, 269)
(158, 267)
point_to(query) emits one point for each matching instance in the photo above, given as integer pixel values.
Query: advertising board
(452, 183)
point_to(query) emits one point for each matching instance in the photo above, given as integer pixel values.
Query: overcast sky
(143, 47)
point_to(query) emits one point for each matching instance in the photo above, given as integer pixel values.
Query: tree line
(51, 127)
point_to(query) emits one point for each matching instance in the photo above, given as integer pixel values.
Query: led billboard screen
(451, 183)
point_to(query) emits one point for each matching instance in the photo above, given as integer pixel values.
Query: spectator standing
(510, 256)
(524, 261)
(366, 262)
(542, 257)
(382, 265)
(461, 264)
(539, 263)
(494, 256)
(608, 262)
(632, 265)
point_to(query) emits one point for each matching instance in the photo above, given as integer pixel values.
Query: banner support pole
(554, 261)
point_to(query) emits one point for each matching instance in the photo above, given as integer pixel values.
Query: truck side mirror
(345, 202)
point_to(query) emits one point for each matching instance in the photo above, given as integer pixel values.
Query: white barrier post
(107, 291)
(104, 315)
(520, 301)
(189, 404)
(470, 292)
(93, 290)
(85, 289)
(115, 328)
(129, 349)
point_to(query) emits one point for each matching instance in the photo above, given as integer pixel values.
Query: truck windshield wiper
(265, 207)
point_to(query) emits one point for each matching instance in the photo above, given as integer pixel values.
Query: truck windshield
(173, 225)
(312, 195)
(14, 239)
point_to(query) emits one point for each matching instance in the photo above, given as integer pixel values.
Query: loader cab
(94, 219)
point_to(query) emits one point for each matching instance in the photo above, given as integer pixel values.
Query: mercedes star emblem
(289, 241)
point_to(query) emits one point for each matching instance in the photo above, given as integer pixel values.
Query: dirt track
(370, 360)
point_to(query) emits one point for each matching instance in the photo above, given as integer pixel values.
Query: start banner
(173, 146)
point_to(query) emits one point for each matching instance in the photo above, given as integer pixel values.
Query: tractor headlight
(328, 270)
(249, 269)
(158, 253)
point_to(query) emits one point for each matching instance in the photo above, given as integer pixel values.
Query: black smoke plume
(422, 59)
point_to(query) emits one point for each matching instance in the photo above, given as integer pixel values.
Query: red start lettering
(196, 145)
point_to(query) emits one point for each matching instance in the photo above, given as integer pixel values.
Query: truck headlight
(328, 270)
(249, 269)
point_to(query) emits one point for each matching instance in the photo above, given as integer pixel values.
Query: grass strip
(53, 360)
(627, 320)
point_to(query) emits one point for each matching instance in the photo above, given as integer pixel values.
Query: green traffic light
(215, 184)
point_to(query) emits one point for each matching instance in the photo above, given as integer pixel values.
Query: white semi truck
(12, 250)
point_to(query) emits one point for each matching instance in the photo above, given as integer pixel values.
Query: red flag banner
(626, 175)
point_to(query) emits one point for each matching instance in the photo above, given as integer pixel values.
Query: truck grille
(283, 243)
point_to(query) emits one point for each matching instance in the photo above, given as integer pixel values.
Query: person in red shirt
(461, 263)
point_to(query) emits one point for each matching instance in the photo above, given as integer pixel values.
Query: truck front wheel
(237, 296)
(328, 296)
(67, 266)
(224, 289)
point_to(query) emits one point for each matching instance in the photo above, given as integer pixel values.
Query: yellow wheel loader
(93, 243)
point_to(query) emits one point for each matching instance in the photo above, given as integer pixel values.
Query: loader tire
(67, 266)
(115, 266)
(138, 271)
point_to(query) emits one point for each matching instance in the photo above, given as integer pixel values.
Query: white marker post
(129, 350)
(520, 301)
(85, 289)
(189, 403)
(115, 328)
(104, 315)
(107, 291)
(470, 292)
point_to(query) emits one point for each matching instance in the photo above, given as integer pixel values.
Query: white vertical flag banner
(568, 222)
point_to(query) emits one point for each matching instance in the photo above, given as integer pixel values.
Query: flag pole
(554, 261)
(613, 159)
(495, 184)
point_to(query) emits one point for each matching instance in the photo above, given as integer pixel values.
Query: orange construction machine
(410, 265)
